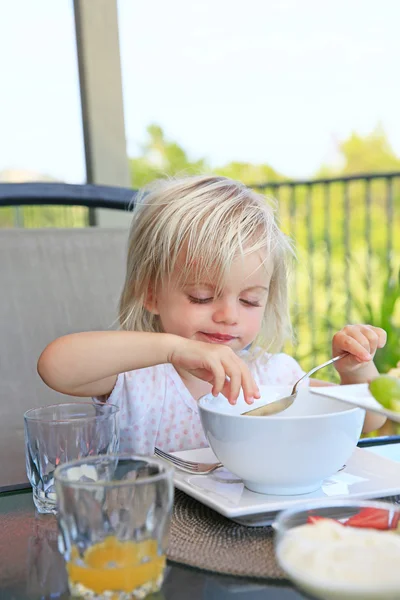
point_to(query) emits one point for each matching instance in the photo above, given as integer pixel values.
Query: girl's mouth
(218, 338)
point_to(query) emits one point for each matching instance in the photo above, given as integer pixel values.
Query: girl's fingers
(227, 373)
(246, 382)
(362, 346)
(382, 336)
(361, 341)
(235, 381)
(233, 369)
(371, 336)
(226, 390)
(250, 388)
(376, 335)
(219, 377)
(239, 378)
(356, 347)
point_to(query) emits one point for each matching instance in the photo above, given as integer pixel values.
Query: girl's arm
(361, 341)
(87, 364)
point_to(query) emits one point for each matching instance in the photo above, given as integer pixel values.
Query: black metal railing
(348, 255)
(344, 229)
(58, 204)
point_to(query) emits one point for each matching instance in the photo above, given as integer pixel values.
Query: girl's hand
(214, 363)
(361, 342)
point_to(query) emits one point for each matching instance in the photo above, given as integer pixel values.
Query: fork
(187, 465)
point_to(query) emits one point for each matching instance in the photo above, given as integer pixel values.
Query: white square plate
(357, 392)
(366, 475)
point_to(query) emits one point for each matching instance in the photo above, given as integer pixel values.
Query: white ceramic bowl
(338, 566)
(284, 454)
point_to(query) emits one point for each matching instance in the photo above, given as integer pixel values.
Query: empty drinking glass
(63, 432)
(114, 514)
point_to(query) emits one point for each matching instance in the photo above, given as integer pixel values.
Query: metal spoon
(283, 403)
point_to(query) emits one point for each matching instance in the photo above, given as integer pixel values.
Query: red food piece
(371, 518)
(312, 519)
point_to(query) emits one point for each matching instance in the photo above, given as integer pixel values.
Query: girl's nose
(226, 312)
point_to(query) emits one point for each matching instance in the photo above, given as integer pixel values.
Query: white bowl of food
(284, 454)
(341, 551)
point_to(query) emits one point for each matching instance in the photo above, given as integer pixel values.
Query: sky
(279, 82)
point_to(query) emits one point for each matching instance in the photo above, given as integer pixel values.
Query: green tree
(368, 154)
(371, 153)
(162, 157)
(248, 173)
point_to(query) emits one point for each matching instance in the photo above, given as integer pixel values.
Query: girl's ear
(150, 302)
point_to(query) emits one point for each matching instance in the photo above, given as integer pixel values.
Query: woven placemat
(202, 538)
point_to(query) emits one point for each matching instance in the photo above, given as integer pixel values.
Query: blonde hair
(210, 220)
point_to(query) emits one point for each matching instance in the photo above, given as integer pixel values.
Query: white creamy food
(333, 561)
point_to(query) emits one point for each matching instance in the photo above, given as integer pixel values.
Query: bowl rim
(308, 507)
(278, 416)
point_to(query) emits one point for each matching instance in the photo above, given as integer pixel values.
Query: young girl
(204, 307)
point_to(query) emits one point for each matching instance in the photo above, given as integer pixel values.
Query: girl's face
(232, 318)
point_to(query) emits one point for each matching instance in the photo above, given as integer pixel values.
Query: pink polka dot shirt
(156, 408)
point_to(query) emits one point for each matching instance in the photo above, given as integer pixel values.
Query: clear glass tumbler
(62, 432)
(114, 514)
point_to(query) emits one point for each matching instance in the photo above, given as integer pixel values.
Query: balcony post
(97, 40)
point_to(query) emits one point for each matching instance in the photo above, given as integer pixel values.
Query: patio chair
(52, 282)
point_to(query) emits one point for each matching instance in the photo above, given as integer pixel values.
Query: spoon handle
(315, 369)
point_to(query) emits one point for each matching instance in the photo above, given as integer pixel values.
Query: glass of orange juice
(113, 515)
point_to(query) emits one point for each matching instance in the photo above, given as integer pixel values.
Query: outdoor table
(31, 567)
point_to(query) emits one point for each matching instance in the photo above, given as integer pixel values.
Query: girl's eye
(248, 303)
(194, 300)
